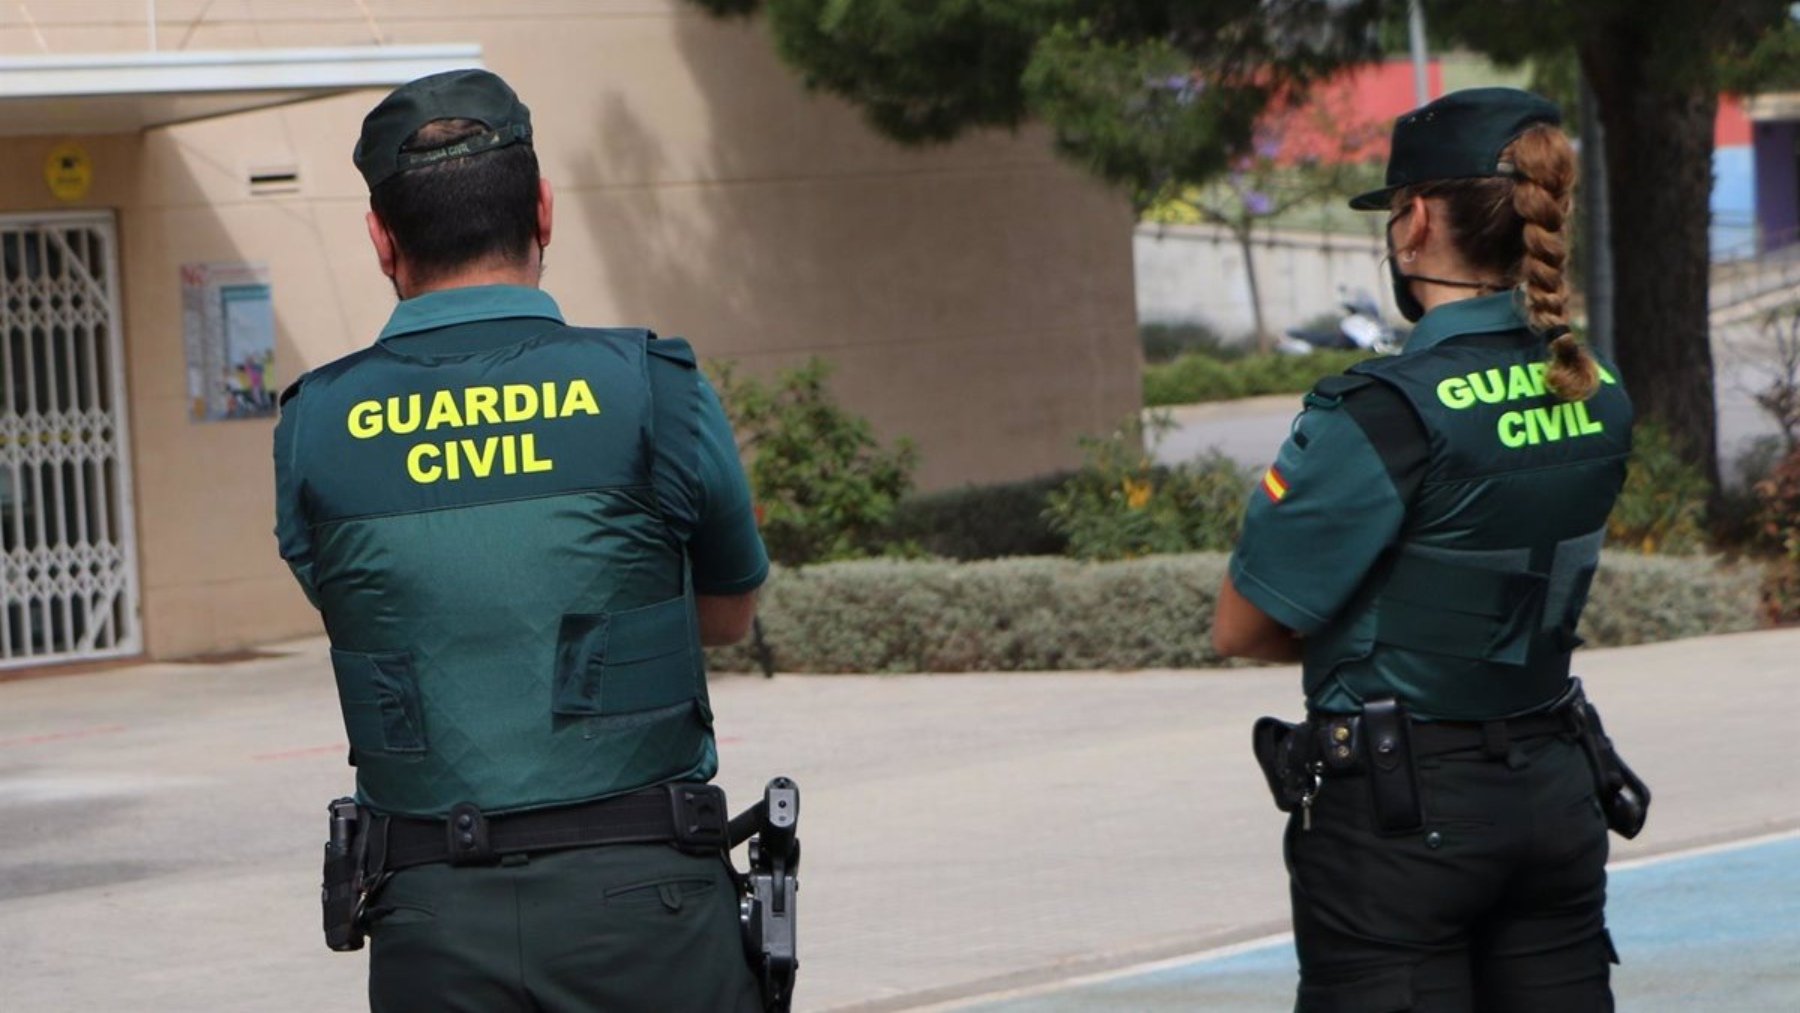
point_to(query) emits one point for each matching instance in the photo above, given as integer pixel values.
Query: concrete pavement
(160, 825)
(1713, 929)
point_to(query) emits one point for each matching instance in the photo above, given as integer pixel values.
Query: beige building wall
(977, 297)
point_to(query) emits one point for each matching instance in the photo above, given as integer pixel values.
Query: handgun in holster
(1624, 797)
(342, 890)
(770, 888)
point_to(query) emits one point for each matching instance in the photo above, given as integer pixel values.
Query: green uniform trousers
(1496, 906)
(621, 928)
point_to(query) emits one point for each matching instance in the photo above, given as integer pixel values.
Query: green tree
(1656, 68)
(1300, 156)
(1158, 95)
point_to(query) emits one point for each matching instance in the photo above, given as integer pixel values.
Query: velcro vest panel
(1472, 614)
(510, 618)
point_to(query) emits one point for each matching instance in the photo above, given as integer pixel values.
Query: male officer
(519, 534)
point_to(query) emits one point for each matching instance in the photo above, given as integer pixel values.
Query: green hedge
(1040, 614)
(982, 521)
(1197, 377)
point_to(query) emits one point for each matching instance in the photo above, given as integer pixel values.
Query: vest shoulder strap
(290, 392)
(673, 373)
(1387, 417)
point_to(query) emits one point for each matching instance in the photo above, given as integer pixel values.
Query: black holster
(1624, 797)
(1280, 748)
(341, 893)
(767, 909)
(1295, 758)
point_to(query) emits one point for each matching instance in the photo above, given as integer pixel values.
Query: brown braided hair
(1516, 227)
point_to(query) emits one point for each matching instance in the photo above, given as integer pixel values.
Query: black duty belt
(692, 817)
(1338, 739)
(1433, 738)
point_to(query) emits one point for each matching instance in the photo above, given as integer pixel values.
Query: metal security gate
(68, 572)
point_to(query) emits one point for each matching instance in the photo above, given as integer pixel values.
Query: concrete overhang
(1773, 107)
(112, 93)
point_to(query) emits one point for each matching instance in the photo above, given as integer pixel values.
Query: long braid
(1542, 198)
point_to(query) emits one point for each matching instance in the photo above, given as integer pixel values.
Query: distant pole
(1421, 73)
(1597, 219)
(150, 11)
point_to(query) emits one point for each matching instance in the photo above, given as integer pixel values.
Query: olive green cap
(1459, 136)
(451, 95)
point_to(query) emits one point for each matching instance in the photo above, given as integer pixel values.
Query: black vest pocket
(624, 662)
(380, 699)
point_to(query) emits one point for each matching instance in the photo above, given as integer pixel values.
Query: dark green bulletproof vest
(510, 618)
(1472, 614)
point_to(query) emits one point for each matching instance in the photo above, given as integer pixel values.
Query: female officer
(1423, 545)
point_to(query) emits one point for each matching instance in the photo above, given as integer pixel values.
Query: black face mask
(1408, 304)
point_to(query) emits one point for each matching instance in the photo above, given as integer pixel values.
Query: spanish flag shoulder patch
(1273, 485)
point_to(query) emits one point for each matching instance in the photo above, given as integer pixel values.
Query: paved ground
(160, 826)
(1711, 930)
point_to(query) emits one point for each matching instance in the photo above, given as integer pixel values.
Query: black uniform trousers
(1496, 906)
(624, 928)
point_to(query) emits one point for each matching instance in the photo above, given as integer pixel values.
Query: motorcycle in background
(1359, 326)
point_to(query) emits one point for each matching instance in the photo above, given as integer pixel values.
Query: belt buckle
(466, 833)
(699, 816)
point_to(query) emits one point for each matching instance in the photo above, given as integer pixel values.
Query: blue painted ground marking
(1716, 930)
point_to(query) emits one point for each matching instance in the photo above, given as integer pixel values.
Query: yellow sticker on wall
(69, 171)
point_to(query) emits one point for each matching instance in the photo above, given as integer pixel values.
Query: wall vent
(272, 179)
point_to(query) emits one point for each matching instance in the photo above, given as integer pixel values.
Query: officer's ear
(1413, 224)
(383, 240)
(545, 203)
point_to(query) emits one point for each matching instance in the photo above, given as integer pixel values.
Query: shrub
(1121, 504)
(1778, 530)
(1781, 592)
(1645, 599)
(1059, 614)
(1778, 508)
(1036, 614)
(1193, 377)
(982, 522)
(824, 486)
(1662, 507)
(1164, 342)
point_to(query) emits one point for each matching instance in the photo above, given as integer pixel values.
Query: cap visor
(1374, 200)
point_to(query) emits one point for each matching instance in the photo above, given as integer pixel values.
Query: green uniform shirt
(699, 479)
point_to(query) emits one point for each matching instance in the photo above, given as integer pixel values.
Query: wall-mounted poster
(228, 325)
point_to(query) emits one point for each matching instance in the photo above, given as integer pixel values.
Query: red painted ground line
(296, 754)
(80, 733)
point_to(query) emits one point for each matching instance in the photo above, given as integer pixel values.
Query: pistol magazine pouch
(1393, 782)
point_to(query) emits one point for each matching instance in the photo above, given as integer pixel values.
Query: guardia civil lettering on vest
(509, 453)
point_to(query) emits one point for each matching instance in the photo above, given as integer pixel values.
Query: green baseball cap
(451, 95)
(1459, 136)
